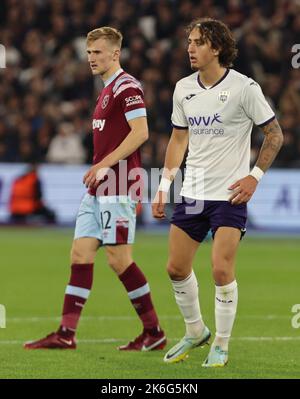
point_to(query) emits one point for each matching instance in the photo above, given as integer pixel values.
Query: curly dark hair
(219, 35)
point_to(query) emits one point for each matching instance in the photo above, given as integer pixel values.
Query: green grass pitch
(35, 270)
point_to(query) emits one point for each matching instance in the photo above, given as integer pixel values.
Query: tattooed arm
(271, 145)
(244, 188)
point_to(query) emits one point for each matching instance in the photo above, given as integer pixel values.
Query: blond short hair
(112, 35)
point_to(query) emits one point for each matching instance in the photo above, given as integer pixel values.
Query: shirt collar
(113, 77)
(214, 85)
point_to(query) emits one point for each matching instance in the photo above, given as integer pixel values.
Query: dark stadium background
(48, 82)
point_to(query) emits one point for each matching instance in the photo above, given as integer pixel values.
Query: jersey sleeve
(255, 105)
(178, 117)
(132, 102)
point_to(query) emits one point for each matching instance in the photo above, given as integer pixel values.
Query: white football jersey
(220, 121)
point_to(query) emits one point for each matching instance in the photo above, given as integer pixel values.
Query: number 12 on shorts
(105, 220)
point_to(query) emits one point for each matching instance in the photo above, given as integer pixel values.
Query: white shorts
(110, 219)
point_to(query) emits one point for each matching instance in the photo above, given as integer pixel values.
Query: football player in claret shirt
(106, 216)
(213, 114)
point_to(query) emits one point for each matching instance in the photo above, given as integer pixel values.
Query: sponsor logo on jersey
(223, 96)
(105, 101)
(206, 125)
(204, 120)
(98, 124)
(133, 100)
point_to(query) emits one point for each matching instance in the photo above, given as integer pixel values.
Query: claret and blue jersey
(120, 101)
(110, 215)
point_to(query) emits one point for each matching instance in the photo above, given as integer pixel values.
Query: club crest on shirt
(223, 96)
(105, 101)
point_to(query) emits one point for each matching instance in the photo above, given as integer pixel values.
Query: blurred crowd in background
(47, 92)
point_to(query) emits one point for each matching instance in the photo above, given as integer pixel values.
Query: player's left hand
(95, 174)
(243, 190)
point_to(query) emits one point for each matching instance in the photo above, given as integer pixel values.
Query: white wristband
(164, 185)
(257, 173)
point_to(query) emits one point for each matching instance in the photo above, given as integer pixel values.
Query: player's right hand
(158, 205)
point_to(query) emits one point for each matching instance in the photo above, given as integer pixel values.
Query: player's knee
(80, 256)
(220, 262)
(112, 261)
(119, 258)
(222, 271)
(220, 276)
(118, 265)
(176, 271)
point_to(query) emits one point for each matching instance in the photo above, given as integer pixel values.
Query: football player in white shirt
(213, 113)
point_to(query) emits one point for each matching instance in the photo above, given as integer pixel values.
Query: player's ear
(116, 54)
(216, 51)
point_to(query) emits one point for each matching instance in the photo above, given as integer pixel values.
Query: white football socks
(226, 300)
(186, 296)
